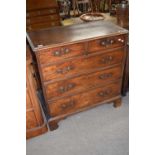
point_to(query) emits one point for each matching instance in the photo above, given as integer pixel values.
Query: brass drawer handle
(105, 76)
(67, 105)
(66, 50)
(107, 42)
(105, 93)
(57, 53)
(62, 51)
(103, 43)
(112, 41)
(107, 59)
(65, 70)
(121, 40)
(64, 89)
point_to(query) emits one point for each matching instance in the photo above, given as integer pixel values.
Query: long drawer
(73, 103)
(82, 83)
(82, 65)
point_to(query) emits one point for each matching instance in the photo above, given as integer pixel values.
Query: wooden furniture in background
(112, 6)
(41, 14)
(64, 7)
(122, 13)
(101, 5)
(35, 123)
(81, 66)
(96, 5)
(86, 6)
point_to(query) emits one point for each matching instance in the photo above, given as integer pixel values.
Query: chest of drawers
(80, 66)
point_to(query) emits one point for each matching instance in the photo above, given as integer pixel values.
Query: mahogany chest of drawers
(81, 66)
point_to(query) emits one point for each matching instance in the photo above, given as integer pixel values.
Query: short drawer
(106, 43)
(61, 53)
(82, 83)
(41, 19)
(82, 65)
(73, 103)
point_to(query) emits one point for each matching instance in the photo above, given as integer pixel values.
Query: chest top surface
(72, 34)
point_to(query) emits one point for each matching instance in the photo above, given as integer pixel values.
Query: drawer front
(31, 121)
(42, 25)
(82, 83)
(82, 65)
(106, 43)
(41, 19)
(73, 103)
(41, 12)
(61, 53)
